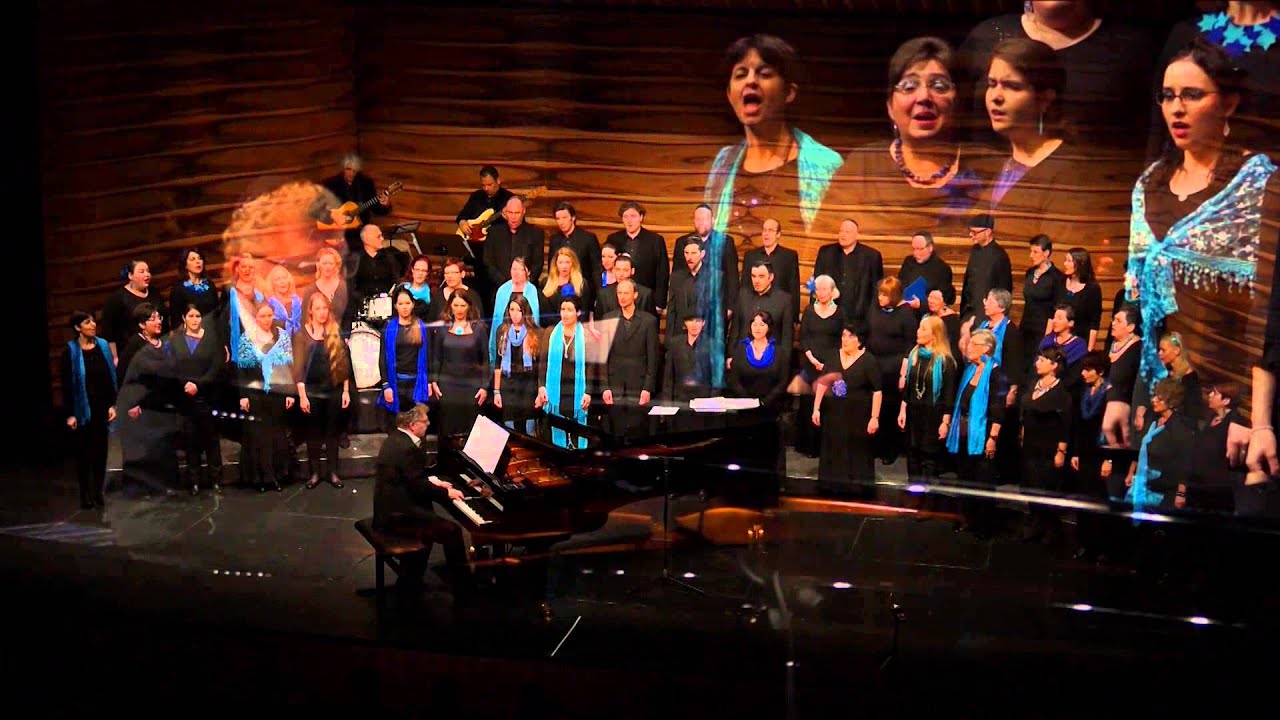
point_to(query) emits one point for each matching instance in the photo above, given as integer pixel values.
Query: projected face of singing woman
(757, 92)
(922, 102)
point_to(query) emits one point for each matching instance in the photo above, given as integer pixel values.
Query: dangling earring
(896, 135)
(1226, 128)
(1041, 127)
(1027, 8)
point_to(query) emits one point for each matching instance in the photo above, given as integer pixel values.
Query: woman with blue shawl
(517, 286)
(1062, 335)
(1203, 230)
(976, 421)
(516, 368)
(403, 357)
(1157, 480)
(264, 362)
(460, 367)
(284, 299)
(846, 406)
(89, 405)
(928, 397)
(569, 380)
(417, 281)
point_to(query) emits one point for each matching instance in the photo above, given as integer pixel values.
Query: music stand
(410, 229)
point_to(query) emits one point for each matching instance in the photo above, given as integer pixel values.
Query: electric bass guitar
(347, 216)
(480, 223)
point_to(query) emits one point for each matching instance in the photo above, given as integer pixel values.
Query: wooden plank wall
(157, 121)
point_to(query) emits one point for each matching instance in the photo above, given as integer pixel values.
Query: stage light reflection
(1199, 620)
(915, 488)
(1082, 607)
(689, 576)
(735, 466)
(841, 585)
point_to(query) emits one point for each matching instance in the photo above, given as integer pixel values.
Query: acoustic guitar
(480, 223)
(347, 216)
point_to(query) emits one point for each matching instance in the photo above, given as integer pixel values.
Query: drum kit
(366, 338)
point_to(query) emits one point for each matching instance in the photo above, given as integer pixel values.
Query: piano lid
(623, 426)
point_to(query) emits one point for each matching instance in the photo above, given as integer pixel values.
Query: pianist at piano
(402, 504)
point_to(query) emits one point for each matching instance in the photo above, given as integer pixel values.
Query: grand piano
(540, 479)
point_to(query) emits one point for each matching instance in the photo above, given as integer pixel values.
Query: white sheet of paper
(663, 410)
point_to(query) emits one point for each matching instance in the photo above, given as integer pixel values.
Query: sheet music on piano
(485, 443)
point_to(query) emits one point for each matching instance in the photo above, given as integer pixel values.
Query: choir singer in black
(632, 367)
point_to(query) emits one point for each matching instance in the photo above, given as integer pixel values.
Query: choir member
(688, 289)
(1008, 348)
(418, 282)
(513, 238)
(564, 279)
(330, 281)
(199, 361)
(928, 397)
(324, 377)
(687, 369)
(264, 358)
(856, 267)
(784, 260)
(453, 272)
(568, 381)
(714, 240)
(607, 296)
(193, 288)
(1062, 335)
(976, 424)
(987, 269)
(924, 263)
(609, 253)
(403, 357)
(1158, 478)
(1123, 356)
(284, 298)
(461, 372)
(777, 170)
(1043, 289)
(521, 286)
(89, 405)
(515, 368)
(891, 331)
(1087, 459)
(763, 295)
(1083, 293)
(1171, 353)
(1046, 414)
(939, 307)
(241, 301)
(820, 329)
(117, 325)
(585, 245)
(846, 406)
(632, 368)
(1216, 476)
(647, 249)
(147, 399)
(760, 370)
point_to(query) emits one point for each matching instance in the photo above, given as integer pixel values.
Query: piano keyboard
(472, 515)
(479, 510)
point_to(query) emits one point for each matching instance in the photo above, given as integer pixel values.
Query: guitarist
(351, 185)
(490, 196)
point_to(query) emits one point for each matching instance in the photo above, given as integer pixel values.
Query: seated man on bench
(402, 505)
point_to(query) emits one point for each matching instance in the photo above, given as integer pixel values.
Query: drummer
(377, 267)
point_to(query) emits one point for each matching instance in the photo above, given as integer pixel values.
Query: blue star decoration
(1234, 34)
(1266, 38)
(1208, 21)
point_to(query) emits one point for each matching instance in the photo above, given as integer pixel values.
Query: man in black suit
(712, 239)
(402, 503)
(923, 262)
(762, 295)
(988, 268)
(785, 262)
(857, 269)
(633, 350)
(583, 244)
(647, 249)
(352, 185)
(607, 298)
(512, 239)
(688, 290)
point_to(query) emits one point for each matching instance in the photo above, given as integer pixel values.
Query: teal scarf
(998, 352)
(280, 353)
(1140, 493)
(977, 411)
(80, 398)
(500, 312)
(555, 358)
(1215, 244)
(935, 365)
(233, 313)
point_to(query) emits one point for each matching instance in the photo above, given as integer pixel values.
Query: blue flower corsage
(840, 388)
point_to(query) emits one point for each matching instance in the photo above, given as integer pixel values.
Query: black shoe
(344, 441)
(313, 482)
(335, 481)
(262, 489)
(276, 486)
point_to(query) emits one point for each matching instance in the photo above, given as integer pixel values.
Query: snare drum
(364, 345)
(377, 308)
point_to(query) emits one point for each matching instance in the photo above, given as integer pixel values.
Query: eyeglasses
(1188, 95)
(936, 84)
(977, 231)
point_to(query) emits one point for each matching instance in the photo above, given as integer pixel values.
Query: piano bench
(387, 550)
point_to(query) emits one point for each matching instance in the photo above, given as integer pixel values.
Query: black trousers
(201, 442)
(89, 442)
(266, 443)
(321, 429)
(430, 531)
(977, 471)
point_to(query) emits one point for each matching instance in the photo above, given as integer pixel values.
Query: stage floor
(235, 568)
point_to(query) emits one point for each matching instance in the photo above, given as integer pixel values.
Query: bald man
(377, 266)
(511, 239)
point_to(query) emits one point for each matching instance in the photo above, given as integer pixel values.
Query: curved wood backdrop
(159, 118)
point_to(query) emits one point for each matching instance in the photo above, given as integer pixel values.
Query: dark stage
(249, 600)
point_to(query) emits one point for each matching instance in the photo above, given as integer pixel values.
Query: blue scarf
(1092, 403)
(292, 318)
(977, 411)
(1140, 493)
(422, 383)
(200, 286)
(281, 353)
(555, 358)
(424, 294)
(998, 352)
(1216, 243)
(935, 365)
(516, 336)
(500, 311)
(1075, 349)
(764, 360)
(80, 398)
(233, 313)
(604, 278)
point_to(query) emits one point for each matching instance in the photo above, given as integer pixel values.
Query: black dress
(1124, 373)
(820, 336)
(460, 367)
(116, 324)
(89, 439)
(202, 365)
(926, 406)
(847, 460)
(147, 442)
(1040, 298)
(265, 456)
(1086, 306)
(1046, 423)
(520, 385)
(768, 384)
(205, 297)
(891, 335)
(1213, 482)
